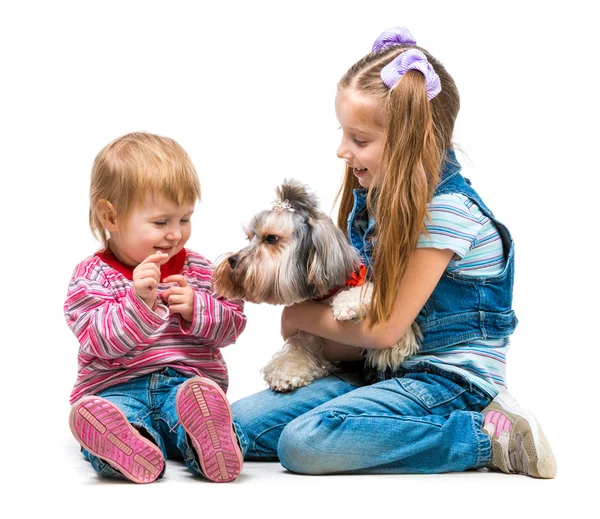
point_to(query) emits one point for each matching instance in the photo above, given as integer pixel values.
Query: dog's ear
(299, 196)
(332, 259)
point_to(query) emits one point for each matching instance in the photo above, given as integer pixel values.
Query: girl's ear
(107, 215)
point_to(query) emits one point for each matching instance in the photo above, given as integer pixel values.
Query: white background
(247, 88)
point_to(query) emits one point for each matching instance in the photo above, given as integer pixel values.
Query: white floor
(60, 481)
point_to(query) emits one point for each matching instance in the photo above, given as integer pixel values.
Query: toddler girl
(151, 377)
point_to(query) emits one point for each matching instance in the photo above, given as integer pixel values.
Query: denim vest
(461, 308)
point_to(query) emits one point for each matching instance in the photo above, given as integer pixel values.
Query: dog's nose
(232, 261)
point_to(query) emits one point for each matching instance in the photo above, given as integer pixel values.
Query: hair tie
(412, 59)
(282, 205)
(394, 36)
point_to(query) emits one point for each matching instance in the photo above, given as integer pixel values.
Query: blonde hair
(417, 133)
(135, 165)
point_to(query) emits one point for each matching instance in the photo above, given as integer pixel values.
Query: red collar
(171, 267)
(356, 279)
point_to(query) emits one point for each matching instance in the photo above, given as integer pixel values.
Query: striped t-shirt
(456, 223)
(120, 338)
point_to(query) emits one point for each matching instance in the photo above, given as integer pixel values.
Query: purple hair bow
(412, 59)
(394, 36)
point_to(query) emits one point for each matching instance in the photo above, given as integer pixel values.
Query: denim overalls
(461, 308)
(426, 420)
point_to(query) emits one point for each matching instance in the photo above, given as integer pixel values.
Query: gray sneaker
(518, 442)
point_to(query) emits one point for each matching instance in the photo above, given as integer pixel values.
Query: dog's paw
(299, 363)
(283, 375)
(345, 313)
(285, 384)
(347, 305)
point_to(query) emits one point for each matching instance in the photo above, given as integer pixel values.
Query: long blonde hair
(134, 165)
(417, 133)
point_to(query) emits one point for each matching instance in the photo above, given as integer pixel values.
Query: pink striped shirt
(120, 338)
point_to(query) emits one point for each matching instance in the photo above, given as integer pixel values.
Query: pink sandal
(205, 415)
(102, 429)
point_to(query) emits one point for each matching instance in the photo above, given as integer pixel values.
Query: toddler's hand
(180, 298)
(146, 277)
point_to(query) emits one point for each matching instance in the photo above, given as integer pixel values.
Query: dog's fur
(296, 253)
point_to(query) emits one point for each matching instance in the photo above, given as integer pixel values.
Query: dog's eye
(271, 238)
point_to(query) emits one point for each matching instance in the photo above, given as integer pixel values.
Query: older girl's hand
(287, 328)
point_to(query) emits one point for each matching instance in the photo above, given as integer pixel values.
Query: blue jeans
(424, 422)
(148, 403)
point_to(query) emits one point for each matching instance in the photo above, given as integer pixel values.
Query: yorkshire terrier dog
(296, 253)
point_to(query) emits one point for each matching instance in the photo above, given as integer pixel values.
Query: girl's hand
(146, 277)
(287, 328)
(180, 298)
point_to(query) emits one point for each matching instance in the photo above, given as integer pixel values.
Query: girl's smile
(155, 225)
(362, 143)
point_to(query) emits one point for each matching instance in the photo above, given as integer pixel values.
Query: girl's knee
(293, 451)
(305, 445)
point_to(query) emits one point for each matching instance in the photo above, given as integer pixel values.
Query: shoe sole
(205, 415)
(546, 463)
(102, 430)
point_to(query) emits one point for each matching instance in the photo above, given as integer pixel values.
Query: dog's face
(295, 253)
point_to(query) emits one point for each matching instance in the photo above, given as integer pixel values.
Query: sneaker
(205, 415)
(518, 442)
(102, 430)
